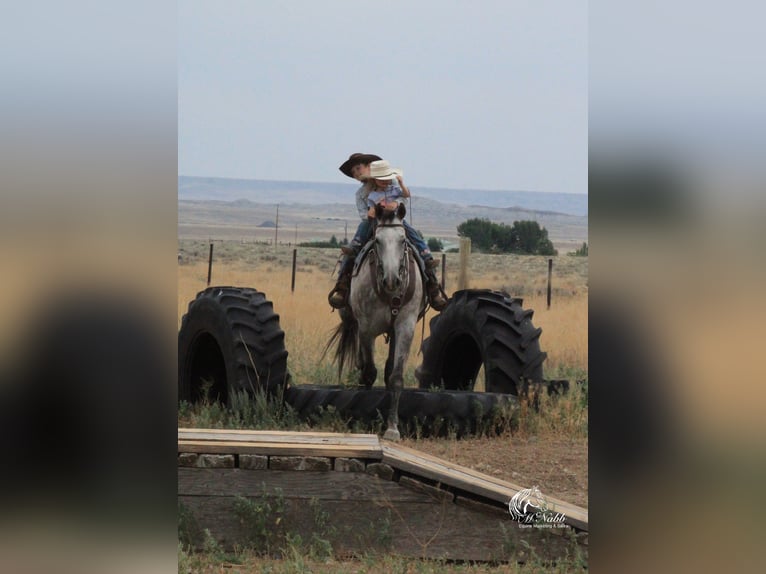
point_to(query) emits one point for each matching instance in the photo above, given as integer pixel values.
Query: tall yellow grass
(307, 319)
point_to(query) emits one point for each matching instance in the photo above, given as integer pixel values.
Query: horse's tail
(345, 338)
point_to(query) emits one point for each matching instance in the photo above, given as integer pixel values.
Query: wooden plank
(307, 484)
(277, 436)
(467, 479)
(214, 431)
(255, 447)
(429, 461)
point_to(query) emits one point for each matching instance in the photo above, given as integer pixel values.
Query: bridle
(396, 300)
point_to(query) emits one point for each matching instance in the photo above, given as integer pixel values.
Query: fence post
(210, 264)
(550, 267)
(292, 286)
(444, 272)
(465, 251)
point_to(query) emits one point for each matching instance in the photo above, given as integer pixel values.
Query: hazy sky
(485, 95)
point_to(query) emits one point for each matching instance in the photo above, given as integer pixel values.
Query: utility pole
(276, 228)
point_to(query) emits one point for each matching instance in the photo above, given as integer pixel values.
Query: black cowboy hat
(357, 158)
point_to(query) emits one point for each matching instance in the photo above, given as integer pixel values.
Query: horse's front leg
(368, 372)
(398, 352)
(390, 359)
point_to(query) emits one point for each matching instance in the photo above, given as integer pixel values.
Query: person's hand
(371, 212)
(405, 190)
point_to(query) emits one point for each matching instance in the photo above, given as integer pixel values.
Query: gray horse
(386, 298)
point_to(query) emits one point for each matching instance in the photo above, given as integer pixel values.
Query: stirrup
(436, 295)
(338, 298)
(437, 299)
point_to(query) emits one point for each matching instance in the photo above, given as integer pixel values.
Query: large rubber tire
(482, 327)
(420, 411)
(230, 341)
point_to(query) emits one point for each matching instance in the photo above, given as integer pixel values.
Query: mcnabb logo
(529, 508)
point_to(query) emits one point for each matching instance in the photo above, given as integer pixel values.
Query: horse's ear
(401, 211)
(378, 211)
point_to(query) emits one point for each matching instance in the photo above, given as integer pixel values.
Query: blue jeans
(362, 235)
(417, 241)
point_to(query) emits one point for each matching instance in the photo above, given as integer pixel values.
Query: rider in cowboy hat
(379, 184)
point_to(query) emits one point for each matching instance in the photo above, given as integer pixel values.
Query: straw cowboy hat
(381, 169)
(357, 158)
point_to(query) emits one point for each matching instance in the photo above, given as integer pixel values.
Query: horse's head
(391, 247)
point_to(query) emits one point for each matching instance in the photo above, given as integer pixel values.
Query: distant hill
(302, 192)
(318, 221)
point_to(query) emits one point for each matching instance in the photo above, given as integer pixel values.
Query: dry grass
(297, 562)
(306, 317)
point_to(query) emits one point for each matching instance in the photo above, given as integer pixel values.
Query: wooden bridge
(359, 493)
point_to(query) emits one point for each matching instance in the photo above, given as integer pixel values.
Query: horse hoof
(393, 435)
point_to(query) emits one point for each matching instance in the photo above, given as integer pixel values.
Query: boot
(352, 248)
(431, 263)
(338, 297)
(434, 290)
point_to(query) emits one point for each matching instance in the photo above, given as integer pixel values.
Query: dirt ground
(558, 466)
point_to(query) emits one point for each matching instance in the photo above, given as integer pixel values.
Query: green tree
(334, 241)
(479, 231)
(533, 239)
(523, 237)
(506, 239)
(581, 252)
(435, 244)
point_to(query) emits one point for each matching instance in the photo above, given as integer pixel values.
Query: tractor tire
(424, 412)
(482, 327)
(230, 341)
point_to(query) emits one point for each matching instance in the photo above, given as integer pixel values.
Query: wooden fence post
(444, 272)
(292, 286)
(210, 264)
(465, 251)
(550, 268)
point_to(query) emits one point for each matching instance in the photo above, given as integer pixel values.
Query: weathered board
(218, 441)
(298, 484)
(278, 436)
(279, 448)
(472, 481)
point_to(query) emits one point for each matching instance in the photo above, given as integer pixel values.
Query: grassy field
(546, 448)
